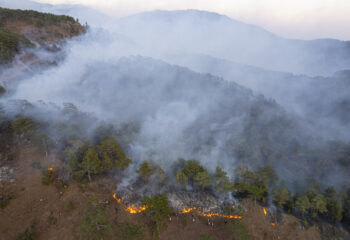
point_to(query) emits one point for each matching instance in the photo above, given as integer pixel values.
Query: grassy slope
(41, 208)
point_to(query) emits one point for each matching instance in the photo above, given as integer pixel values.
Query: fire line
(134, 210)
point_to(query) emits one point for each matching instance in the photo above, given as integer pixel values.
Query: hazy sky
(304, 19)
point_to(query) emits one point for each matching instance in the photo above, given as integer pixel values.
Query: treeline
(85, 156)
(30, 15)
(261, 186)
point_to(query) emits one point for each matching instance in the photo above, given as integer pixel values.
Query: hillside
(20, 29)
(150, 130)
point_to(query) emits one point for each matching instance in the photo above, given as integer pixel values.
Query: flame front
(187, 210)
(265, 212)
(133, 210)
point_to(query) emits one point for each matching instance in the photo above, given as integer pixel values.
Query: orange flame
(117, 199)
(187, 210)
(265, 212)
(273, 224)
(50, 169)
(133, 210)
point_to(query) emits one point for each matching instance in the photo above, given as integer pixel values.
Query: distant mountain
(200, 32)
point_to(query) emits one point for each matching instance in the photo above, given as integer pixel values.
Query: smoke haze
(200, 85)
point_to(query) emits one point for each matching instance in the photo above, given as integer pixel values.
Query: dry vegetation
(56, 211)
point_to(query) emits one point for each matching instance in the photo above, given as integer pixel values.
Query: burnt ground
(42, 208)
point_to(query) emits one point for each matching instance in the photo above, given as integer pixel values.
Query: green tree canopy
(181, 177)
(145, 171)
(282, 196)
(203, 179)
(25, 125)
(113, 154)
(158, 209)
(91, 163)
(303, 203)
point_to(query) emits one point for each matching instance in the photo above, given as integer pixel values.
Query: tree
(303, 204)
(318, 205)
(257, 192)
(91, 163)
(181, 177)
(25, 125)
(158, 209)
(203, 179)
(346, 207)
(282, 196)
(268, 175)
(145, 171)
(220, 175)
(224, 186)
(193, 168)
(334, 207)
(113, 154)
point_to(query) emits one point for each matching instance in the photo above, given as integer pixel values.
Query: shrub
(4, 202)
(130, 232)
(28, 235)
(47, 177)
(69, 206)
(206, 237)
(95, 223)
(239, 230)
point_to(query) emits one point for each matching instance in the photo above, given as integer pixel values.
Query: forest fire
(50, 169)
(131, 208)
(265, 212)
(134, 210)
(187, 210)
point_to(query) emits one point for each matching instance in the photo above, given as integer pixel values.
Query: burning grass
(135, 210)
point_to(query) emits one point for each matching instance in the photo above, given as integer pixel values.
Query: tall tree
(91, 163)
(113, 154)
(303, 204)
(203, 179)
(282, 196)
